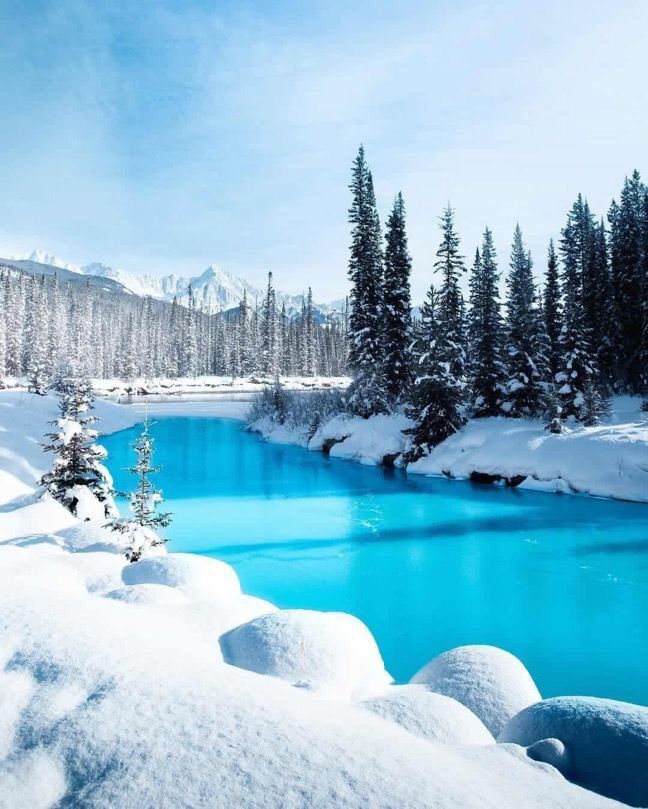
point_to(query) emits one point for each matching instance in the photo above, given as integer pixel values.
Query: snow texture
(607, 742)
(492, 683)
(331, 652)
(199, 577)
(429, 715)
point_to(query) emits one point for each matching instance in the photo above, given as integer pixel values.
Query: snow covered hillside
(215, 289)
(160, 684)
(608, 460)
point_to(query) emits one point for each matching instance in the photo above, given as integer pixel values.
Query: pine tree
(366, 394)
(439, 354)
(308, 332)
(141, 528)
(527, 363)
(78, 479)
(269, 331)
(486, 368)
(626, 259)
(552, 308)
(578, 368)
(396, 310)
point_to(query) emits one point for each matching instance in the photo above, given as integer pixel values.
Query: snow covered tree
(366, 394)
(396, 311)
(486, 368)
(269, 331)
(78, 479)
(439, 355)
(525, 349)
(309, 347)
(552, 308)
(595, 405)
(140, 530)
(627, 271)
(578, 369)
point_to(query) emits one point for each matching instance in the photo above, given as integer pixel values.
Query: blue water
(427, 564)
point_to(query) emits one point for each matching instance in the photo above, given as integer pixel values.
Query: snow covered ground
(609, 460)
(161, 684)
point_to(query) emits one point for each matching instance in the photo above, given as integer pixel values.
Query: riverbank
(160, 683)
(608, 460)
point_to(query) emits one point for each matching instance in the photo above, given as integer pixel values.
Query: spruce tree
(525, 352)
(486, 368)
(78, 479)
(396, 311)
(366, 394)
(141, 529)
(552, 309)
(439, 353)
(578, 369)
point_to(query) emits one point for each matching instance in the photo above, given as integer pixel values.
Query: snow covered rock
(213, 618)
(607, 742)
(198, 577)
(151, 595)
(550, 751)
(492, 683)
(369, 441)
(332, 652)
(429, 715)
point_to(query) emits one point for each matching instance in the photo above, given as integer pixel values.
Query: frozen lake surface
(428, 564)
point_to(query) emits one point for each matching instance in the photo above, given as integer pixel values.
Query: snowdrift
(492, 683)
(606, 740)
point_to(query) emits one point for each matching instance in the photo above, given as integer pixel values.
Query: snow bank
(492, 683)
(198, 577)
(324, 651)
(151, 595)
(607, 742)
(429, 715)
(607, 461)
(369, 441)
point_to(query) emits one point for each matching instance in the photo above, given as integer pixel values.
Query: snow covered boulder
(200, 578)
(430, 715)
(607, 742)
(550, 751)
(492, 683)
(331, 652)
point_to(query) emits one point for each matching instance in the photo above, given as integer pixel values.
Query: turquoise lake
(428, 564)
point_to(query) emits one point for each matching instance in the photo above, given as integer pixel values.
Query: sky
(166, 136)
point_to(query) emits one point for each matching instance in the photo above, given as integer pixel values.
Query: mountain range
(215, 289)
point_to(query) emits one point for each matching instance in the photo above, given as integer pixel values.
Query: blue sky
(165, 136)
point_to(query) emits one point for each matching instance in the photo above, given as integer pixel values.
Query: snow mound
(492, 683)
(550, 751)
(152, 595)
(212, 618)
(198, 577)
(429, 715)
(366, 440)
(607, 742)
(332, 652)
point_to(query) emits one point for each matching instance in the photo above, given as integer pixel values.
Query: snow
(429, 715)
(607, 742)
(608, 460)
(364, 440)
(114, 691)
(199, 577)
(492, 683)
(331, 652)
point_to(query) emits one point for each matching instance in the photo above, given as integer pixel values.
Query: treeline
(555, 350)
(47, 326)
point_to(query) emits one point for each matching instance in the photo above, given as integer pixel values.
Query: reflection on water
(428, 564)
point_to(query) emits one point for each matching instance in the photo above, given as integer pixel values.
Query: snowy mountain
(215, 289)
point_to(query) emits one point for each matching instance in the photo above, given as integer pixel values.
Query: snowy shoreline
(607, 461)
(113, 664)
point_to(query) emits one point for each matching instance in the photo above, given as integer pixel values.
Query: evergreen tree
(486, 368)
(78, 479)
(141, 528)
(552, 308)
(396, 312)
(527, 363)
(439, 355)
(578, 368)
(366, 394)
(269, 331)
